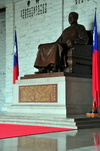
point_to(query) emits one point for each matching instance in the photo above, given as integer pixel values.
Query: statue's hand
(70, 43)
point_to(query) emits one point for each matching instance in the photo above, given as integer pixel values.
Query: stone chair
(79, 58)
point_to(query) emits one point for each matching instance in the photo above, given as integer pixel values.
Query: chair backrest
(90, 35)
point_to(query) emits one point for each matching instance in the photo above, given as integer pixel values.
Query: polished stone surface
(77, 140)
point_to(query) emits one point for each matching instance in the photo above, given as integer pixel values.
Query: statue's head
(73, 17)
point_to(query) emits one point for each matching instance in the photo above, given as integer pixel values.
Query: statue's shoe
(41, 70)
(55, 69)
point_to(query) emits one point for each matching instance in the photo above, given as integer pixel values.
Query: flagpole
(95, 72)
(15, 59)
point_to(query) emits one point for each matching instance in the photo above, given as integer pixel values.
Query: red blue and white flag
(15, 61)
(95, 66)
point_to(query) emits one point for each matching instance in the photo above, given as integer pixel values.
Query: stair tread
(80, 123)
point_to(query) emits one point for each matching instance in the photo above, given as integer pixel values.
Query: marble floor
(76, 140)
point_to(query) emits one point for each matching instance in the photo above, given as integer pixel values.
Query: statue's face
(72, 19)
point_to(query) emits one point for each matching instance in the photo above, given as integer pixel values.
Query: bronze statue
(50, 56)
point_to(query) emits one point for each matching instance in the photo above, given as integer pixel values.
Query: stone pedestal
(52, 96)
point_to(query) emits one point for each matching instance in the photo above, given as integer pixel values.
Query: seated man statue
(50, 56)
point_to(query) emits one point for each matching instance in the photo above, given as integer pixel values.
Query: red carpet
(14, 130)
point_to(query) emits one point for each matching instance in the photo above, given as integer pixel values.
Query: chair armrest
(80, 51)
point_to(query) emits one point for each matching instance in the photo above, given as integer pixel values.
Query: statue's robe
(51, 53)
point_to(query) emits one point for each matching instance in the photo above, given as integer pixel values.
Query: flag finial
(95, 8)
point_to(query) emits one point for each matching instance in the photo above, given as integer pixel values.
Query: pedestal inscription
(38, 93)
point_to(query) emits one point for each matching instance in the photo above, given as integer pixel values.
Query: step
(65, 123)
(77, 123)
(88, 126)
(85, 123)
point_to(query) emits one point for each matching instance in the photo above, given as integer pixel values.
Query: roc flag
(15, 61)
(95, 66)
